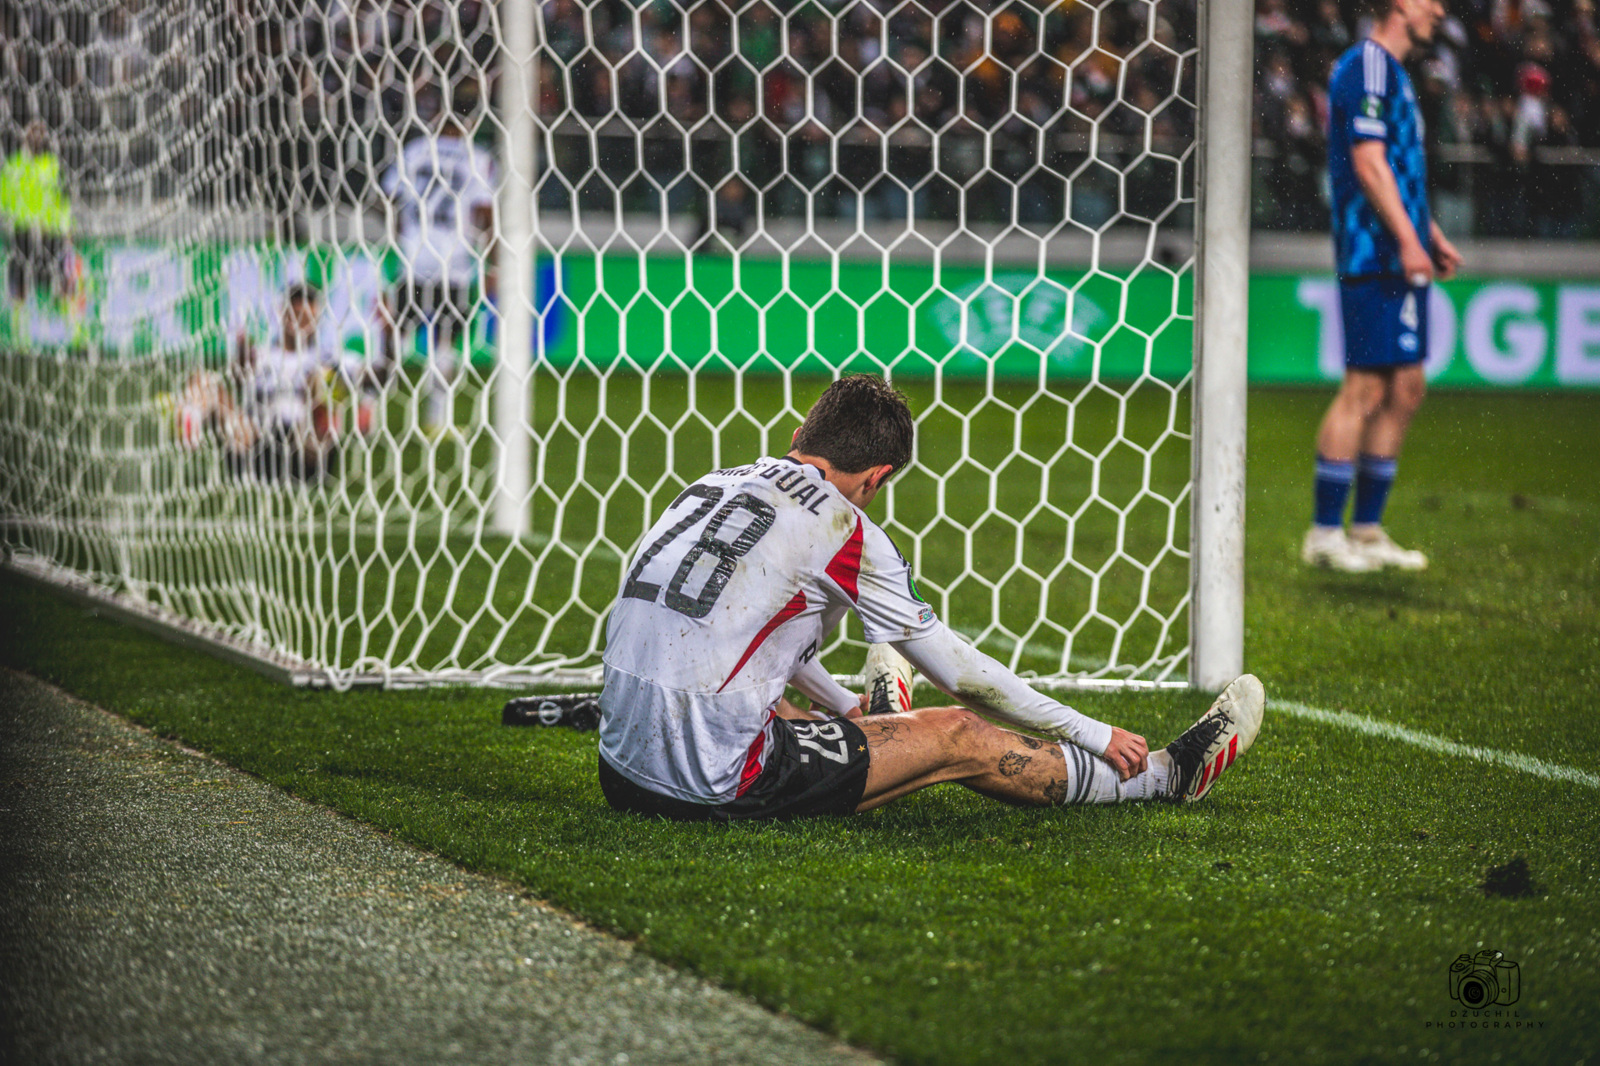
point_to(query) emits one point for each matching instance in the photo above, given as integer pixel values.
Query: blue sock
(1333, 488)
(1374, 476)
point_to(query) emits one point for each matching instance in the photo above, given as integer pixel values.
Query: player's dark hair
(858, 422)
(300, 291)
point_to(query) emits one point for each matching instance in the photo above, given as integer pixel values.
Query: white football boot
(1373, 544)
(1328, 547)
(888, 680)
(1225, 732)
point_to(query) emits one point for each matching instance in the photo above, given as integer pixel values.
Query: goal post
(517, 257)
(383, 331)
(1221, 343)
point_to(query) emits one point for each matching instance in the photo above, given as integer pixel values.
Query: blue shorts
(1385, 322)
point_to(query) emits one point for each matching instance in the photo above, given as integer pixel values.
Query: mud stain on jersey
(983, 695)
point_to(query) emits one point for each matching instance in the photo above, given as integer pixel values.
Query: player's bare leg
(1361, 396)
(1384, 431)
(917, 749)
(439, 381)
(1380, 444)
(927, 747)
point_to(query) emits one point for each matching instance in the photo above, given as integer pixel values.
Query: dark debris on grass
(1511, 880)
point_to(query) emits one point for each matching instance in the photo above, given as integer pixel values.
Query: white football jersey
(731, 592)
(280, 386)
(436, 185)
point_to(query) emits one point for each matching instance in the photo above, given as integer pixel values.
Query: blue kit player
(1388, 251)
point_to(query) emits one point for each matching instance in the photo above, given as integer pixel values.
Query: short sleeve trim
(1375, 68)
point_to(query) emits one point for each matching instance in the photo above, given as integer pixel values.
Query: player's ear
(882, 477)
(794, 436)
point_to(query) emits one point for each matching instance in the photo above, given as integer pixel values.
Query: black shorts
(439, 309)
(814, 768)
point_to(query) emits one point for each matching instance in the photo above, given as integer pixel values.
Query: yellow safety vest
(30, 193)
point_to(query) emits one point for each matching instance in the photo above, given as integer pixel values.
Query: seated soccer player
(284, 392)
(727, 600)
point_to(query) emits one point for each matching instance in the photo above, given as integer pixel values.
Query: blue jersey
(1370, 99)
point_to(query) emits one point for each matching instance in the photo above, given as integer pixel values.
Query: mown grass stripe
(1389, 731)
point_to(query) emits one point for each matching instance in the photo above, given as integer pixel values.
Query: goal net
(376, 332)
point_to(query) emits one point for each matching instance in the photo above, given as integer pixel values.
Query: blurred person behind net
(37, 215)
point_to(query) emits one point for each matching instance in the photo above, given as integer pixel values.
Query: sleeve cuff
(1093, 736)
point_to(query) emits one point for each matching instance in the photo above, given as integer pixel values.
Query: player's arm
(1446, 259)
(824, 692)
(891, 613)
(827, 695)
(985, 685)
(1383, 193)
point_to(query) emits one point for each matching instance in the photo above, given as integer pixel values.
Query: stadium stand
(1511, 95)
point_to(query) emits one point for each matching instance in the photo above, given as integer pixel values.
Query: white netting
(733, 202)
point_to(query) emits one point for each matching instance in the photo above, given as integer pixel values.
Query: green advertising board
(714, 314)
(1496, 332)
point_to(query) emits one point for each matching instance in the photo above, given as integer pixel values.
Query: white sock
(1090, 779)
(1155, 782)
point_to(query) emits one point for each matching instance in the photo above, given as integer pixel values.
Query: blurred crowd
(832, 110)
(1508, 90)
(1020, 112)
(720, 107)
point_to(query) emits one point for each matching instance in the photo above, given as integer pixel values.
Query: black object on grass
(1512, 879)
(575, 710)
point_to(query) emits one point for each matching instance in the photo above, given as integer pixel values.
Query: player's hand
(860, 709)
(1445, 256)
(1415, 263)
(1127, 753)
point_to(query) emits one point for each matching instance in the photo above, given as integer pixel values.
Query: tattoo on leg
(1013, 763)
(1056, 790)
(1034, 743)
(885, 733)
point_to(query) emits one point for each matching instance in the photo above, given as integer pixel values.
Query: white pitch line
(1389, 731)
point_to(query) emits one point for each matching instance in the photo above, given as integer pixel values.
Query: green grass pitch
(1307, 911)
